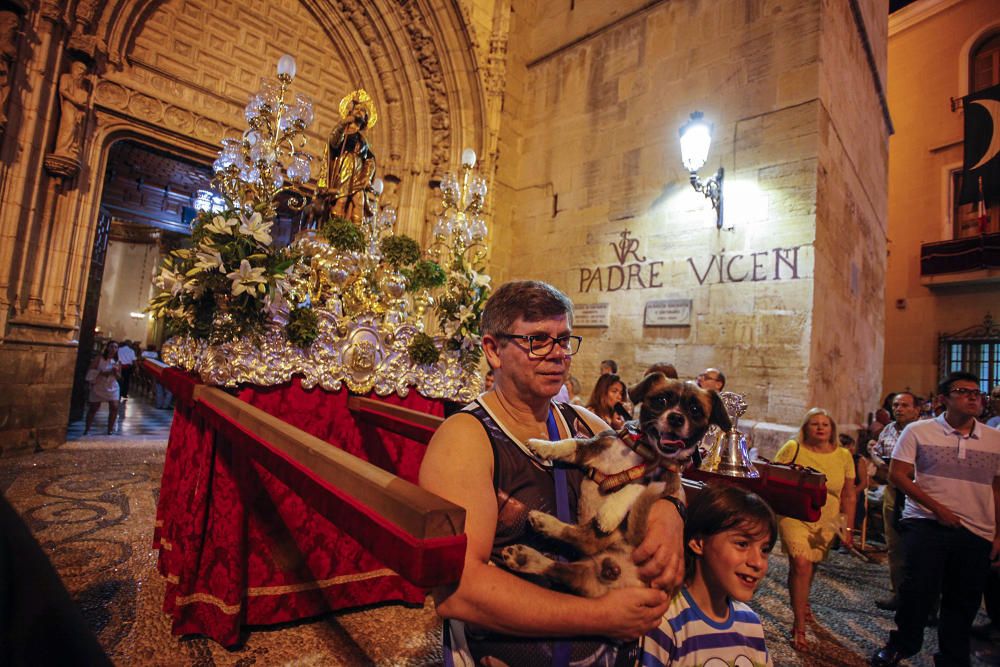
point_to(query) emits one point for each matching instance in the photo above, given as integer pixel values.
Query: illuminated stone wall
(602, 208)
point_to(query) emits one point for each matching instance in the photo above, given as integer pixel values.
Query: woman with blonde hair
(807, 542)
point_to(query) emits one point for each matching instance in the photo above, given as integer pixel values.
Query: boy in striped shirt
(728, 537)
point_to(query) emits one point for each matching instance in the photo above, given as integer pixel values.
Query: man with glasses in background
(712, 378)
(478, 460)
(949, 469)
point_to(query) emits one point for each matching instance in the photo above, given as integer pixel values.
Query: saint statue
(8, 51)
(345, 190)
(74, 95)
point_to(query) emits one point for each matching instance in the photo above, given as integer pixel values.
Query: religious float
(351, 336)
(309, 378)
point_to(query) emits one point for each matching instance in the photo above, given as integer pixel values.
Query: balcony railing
(970, 260)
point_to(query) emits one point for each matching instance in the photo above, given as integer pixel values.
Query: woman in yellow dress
(807, 542)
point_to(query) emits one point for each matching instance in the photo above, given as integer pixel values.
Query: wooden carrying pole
(399, 523)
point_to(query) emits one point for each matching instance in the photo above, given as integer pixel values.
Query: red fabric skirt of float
(242, 533)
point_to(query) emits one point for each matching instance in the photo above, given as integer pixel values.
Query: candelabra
(460, 231)
(269, 158)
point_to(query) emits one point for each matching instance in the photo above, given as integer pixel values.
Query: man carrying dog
(477, 460)
(949, 469)
(905, 410)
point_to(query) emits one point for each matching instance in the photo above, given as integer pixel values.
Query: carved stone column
(38, 349)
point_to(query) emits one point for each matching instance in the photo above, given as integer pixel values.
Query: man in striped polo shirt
(949, 469)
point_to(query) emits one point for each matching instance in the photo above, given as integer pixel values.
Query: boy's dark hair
(723, 507)
(945, 386)
(612, 364)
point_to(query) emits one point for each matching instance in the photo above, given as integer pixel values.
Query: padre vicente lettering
(631, 272)
(775, 264)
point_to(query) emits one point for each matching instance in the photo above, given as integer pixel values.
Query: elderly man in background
(712, 378)
(905, 411)
(477, 460)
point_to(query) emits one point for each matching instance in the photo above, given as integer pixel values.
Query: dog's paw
(553, 450)
(519, 558)
(545, 524)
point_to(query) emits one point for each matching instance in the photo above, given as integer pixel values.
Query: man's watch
(679, 504)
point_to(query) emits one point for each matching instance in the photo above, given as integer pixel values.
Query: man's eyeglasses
(973, 393)
(540, 345)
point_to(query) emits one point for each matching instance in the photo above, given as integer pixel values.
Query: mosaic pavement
(91, 505)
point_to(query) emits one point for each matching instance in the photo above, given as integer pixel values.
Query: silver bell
(730, 454)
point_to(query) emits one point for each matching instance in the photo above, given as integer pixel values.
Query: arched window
(984, 63)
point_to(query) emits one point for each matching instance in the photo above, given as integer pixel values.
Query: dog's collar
(632, 437)
(611, 483)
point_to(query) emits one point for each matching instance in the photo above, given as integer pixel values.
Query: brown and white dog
(624, 480)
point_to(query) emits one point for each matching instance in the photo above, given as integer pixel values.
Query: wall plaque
(591, 315)
(668, 313)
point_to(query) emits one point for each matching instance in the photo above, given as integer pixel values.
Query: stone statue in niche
(74, 95)
(390, 196)
(9, 24)
(345, 189)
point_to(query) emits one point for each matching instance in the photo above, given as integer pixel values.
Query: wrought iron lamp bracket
(712, 189)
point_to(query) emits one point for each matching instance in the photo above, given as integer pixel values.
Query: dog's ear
(579, 429)
(719, 416)
(637, 392)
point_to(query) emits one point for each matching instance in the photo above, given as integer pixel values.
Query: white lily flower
(220, 225)
(168, 281)
(209, 258)
(246, 278)
(479, 279)
(257, 228)
(465, 313)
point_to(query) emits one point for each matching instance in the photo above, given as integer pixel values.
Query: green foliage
(422, 350)
(425, 274)
(303, 326)
(224, 286)
(399, 250)
(343, 234)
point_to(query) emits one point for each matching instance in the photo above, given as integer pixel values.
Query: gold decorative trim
(173, 579)
(323, 583)
(230, 610)
(164, 544)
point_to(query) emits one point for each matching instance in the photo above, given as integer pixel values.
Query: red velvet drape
(245, 536)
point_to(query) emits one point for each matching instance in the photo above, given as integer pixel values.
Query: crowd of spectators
(866, 477)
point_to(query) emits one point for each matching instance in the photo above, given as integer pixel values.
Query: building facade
(575, 110)
(939, 317)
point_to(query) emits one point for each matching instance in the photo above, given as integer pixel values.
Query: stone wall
(851, 212)
(601, 206)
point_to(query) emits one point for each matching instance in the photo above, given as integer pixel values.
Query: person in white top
(126, 357)
(103, 376)
(949, 469)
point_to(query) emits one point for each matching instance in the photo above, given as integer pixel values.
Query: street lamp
(696, 138)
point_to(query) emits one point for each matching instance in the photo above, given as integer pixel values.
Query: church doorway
(149, 198)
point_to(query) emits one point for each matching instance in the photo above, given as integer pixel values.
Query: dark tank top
(523, 483)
